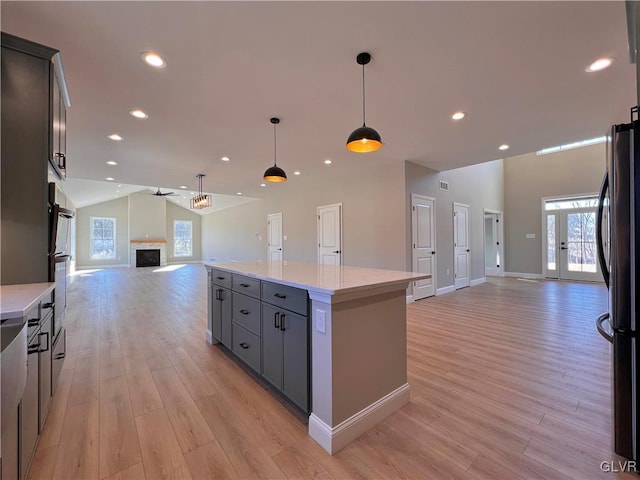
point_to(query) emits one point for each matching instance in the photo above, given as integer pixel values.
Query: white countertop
(327, 279)
(15, 300)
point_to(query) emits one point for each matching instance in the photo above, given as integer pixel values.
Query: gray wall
(147, 216)
(175, 212)
(373, 220)
(118, 209)
(529, 178)
(479, 186)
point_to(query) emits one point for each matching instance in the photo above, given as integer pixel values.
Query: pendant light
(202, 200)
(275, 173)
(364, 139)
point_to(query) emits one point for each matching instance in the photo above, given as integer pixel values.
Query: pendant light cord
(274, 145)
(364, 124)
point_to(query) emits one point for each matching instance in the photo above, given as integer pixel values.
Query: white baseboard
(409, 298)
(90, 267)
(177, 262)
(537, 276)
(332, 439)
(209, 337)
(444, 290)
(478, 281)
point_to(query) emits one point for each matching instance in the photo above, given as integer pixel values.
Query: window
(182, 239)
(103, 238)
(569, 146)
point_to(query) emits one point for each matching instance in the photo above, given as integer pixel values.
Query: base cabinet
(44, 371)
(57, 358)
(221, 315)
(29, 426)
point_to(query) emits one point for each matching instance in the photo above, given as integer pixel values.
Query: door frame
(543, 231)
(500, 229)
(341, 231)
(269, 235)
(434, 269)
(453, 215)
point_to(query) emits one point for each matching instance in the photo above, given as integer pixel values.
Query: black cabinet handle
(220, 278)
(33, 349)
(244, 311)
(245, 285)
(60, 356)
(62, 160)
(282, 322)
(33, 322)
(276, 320)
(244, 345)
(46, 343)
(48, 305)
(279, 295)
(564, 248)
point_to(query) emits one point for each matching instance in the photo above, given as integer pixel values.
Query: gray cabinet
(29, 425)
(220, 298)
(57, 358)
(285, 341)
(44, 371)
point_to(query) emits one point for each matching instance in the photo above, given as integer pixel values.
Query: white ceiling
(517, 68)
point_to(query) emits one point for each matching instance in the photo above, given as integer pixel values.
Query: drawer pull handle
(60, 356)
(276, 320)
(279, 295)
(46, 348)
(282, 322)
(33, 349)
(220, 278)
(245, 285)
(33, 322)
(244, 345)
(244, 311)
(48, 305)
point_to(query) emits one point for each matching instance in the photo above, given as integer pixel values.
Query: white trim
(209, 337)
(445, 290)
(332, 439)
(115, 238)
(409, 298)
(190, 222)
(524, 275)
(434, 267)
(500, 230)
(477, 281)
(184, 261)
(89, 267)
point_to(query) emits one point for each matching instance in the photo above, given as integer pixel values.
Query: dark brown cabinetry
(29, 85)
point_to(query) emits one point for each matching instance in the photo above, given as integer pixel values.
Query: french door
(571, 245)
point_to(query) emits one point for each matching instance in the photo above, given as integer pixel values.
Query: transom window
(182, 238)
(103, 238)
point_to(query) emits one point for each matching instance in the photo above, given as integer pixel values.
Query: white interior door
(461, 248)
(274, 235)
(423, 244)
(330, 234)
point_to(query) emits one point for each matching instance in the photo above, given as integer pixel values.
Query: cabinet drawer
(246, 312)
(246, 346)
(222, 278)
(57, 358)
(294, 299)
(247, 285)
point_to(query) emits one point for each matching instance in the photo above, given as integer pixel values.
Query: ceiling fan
(158, 193)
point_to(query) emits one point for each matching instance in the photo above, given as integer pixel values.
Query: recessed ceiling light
(183, 186)
(154, 60)
(239, 193)
(296, 173)
(504, 146)
(109, 179)
(327, 162)
(458, 115)
(599, 64)
(138, 114)
(225, 159)
(111, 162)
(263, 184)
(116, 137)
(119, 186)
(193, 193)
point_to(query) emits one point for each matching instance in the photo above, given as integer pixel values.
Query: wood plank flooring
(509, 380)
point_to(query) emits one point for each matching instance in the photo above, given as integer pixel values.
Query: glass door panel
(551, 263)
(578, 245)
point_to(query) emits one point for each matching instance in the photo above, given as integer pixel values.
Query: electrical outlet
(284, 238)
(321, 323)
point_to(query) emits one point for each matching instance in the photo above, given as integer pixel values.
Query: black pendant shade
(275, 173)
(364, 139)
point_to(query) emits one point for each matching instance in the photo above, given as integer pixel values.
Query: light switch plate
(530, 235)
(284, 237)
(321, 323)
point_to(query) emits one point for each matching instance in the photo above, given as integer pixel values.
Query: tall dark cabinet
(33, 119)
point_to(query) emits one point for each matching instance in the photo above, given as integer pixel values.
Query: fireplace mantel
(146, 244)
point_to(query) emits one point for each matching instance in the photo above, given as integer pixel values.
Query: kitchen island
(357, 350)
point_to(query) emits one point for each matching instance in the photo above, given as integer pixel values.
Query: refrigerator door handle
(601, 330)
(600, 244)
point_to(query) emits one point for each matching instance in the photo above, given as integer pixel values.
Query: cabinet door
(216, 312)
(63, 135)
(44, 358)
(29, 410)
(225, 317)
(295, 376)
(57, 358)
(55, 119)
(271, 345)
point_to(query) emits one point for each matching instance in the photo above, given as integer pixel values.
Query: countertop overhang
(322, 279)
(16, 300)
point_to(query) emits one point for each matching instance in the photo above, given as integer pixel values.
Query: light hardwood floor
(509, 380)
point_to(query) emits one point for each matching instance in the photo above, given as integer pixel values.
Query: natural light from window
(103, 238)
(182, 238)
(169, 268)
(569, 146)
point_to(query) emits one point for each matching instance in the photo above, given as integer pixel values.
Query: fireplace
(148, 257)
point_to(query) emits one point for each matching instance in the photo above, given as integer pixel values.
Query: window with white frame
(103, 238)
(182, 238)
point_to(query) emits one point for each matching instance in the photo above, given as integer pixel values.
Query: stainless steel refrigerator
(619, 257)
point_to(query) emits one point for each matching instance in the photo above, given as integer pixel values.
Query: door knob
(468, 250)
(280, 249)
(336, 251)
(433, 253)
